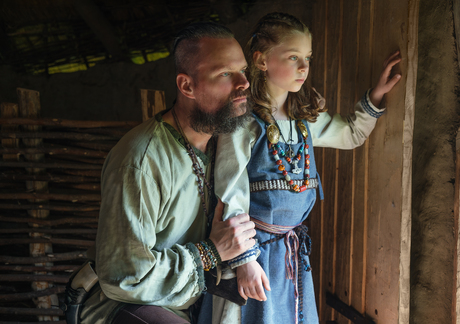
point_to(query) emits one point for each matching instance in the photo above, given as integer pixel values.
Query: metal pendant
(273, 134)
(296, 169)
(303, 128)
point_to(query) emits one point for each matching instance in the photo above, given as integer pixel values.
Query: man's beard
(222, 121)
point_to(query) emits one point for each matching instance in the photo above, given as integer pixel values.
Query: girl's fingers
(390, 58)
(259, 291)
(266, 282)
(393, 81)
(394, 62)
(252, 292)
(321, 101)
(249, 293)
(241, 291)
(389, 66)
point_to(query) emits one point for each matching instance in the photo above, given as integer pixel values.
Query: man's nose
(242, 83)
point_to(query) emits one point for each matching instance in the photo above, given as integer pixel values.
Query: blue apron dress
(280, 207)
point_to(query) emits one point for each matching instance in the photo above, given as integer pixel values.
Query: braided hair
(269, 32)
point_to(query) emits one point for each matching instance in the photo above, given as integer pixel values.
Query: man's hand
(232, 237)
(385, 84)
(250, 278)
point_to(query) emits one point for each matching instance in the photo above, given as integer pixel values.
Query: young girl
(268, 170)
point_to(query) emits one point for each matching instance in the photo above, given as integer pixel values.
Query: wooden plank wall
(361, 231)
(456, 279)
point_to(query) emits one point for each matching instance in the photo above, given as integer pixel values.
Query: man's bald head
(186, 48)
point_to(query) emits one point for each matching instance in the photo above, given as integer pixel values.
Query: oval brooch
(273, 134)
(303, 128)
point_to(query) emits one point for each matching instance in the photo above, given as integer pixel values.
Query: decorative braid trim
(368, 108)
(280, 184)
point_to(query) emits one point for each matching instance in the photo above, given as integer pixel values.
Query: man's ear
(260, 60)
(184, 84)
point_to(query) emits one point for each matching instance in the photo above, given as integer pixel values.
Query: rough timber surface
(365, 218)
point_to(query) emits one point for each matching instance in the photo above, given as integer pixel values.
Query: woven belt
(298, 244)
(279, 184)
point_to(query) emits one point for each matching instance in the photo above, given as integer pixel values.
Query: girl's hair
(269, 32)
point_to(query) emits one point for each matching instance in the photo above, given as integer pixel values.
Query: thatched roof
(49, 36)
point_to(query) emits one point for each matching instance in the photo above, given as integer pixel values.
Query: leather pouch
(224, 285)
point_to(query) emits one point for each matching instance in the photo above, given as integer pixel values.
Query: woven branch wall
(49, 204)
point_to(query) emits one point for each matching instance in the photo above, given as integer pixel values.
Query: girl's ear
(259, 60)
(184, 84)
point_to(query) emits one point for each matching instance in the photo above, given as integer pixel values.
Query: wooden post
(152, 102)
(456, 12)
(363, 228)
(406, 178)
(29, 107)
(456, 281)
(9, 110)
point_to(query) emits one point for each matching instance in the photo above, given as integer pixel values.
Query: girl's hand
(250, 277)
(321, 100)
(385, 84)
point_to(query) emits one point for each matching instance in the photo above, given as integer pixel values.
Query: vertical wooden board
(346, 98)
(9, 110)
(385, 169)
(456, 12)
(314, 228)
(330, 155)
(359, 240)
(29, 107)
(406, 186)
(152, 102)
(319, 31)
(456, 281)
(319, 34)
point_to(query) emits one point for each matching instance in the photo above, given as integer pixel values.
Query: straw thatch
(49, 36)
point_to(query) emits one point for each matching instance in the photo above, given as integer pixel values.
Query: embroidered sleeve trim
(250, 255)
(369, 107)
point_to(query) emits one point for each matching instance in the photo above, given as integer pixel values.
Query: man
(152, 211)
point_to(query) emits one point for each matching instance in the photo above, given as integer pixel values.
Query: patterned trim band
(367, 107)
(279, 184)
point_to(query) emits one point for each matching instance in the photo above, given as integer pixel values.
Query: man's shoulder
(138, 144)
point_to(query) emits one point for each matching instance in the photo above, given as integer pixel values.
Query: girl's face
(288, 64)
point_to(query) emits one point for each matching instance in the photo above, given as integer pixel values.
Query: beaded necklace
(273, 135)
(197, 169)
(289, 153)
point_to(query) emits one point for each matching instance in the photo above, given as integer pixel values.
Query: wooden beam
(101, 27)
(66, 122)
(390, 161)
(331, 156)
(31, 295)
(317, 226)
(456, 12)
(152, 102)
(363, 82)
(456, 281)
(29, 107)
(33, 311)
(77, 255)
(9, 110)
(406, 203)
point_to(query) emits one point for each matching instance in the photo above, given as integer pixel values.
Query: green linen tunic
(150, 215)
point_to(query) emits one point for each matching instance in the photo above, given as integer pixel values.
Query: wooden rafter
(101, 27)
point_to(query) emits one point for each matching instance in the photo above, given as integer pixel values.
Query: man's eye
(225, 74)
(293, 58)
